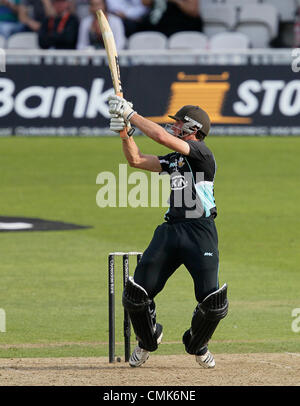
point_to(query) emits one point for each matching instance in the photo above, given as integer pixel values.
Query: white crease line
(277, 365)
(293, 353)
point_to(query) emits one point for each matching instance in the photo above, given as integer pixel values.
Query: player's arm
(131, 151)
(138, 160)
(121, 108)
(158, 134)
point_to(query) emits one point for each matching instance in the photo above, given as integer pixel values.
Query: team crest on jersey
(178, 163)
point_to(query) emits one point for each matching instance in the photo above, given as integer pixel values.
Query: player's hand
(117, 124)
(121, 107)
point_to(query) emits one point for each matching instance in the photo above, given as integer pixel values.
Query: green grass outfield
(53, 285)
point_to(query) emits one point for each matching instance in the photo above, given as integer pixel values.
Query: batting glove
(121, 107)
(118, 124)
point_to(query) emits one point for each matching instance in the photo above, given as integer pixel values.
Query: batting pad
(206, 318)
(136, 301)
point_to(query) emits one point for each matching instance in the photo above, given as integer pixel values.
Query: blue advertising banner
(72, 100)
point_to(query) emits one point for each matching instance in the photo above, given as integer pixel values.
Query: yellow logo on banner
(207, 91)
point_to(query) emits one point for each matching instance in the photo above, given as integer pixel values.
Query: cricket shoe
(206, 360)
(139, 355)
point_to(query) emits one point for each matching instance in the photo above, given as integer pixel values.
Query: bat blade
(112, 56)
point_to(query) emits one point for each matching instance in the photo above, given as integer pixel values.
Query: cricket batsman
(188, 236)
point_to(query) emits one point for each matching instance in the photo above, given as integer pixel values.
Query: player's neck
(190, 137)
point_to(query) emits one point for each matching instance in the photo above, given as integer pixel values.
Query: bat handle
(123, 133)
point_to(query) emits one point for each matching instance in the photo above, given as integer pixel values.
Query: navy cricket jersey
(191, 181)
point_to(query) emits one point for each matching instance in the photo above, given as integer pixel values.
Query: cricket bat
(112, 56)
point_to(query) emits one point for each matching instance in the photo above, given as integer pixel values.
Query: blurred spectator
(33, 12)
(61, 30)
(9, 23)
(171, 16)
(189, 7)
(89, 31)
(80, 8)
(297, 28)
(131, 12)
